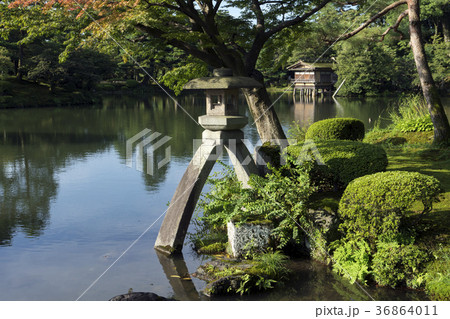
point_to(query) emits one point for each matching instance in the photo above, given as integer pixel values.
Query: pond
(77, 223)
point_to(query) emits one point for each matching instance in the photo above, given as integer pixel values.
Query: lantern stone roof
(223, 79)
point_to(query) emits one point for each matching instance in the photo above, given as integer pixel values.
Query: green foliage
(258, 274)
(344, 160)
(176, 78)
(272, 264)
(250, 283)
(373, 207)
(269, 268)
(279, 197)
(352, 260)
(412, 115)
(394, 264)
(438, 275)
(6, 64)
(131, 84)
(297, 132)
(439, 57)
(336, 129)
(5, 87)
(422, 124)
(371, 67)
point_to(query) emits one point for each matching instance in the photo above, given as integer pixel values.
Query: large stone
(248, 237)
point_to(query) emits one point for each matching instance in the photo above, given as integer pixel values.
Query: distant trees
(43, 47)
(6, 64)
(81, 70)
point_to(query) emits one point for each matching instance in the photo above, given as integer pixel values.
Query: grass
(412, 115)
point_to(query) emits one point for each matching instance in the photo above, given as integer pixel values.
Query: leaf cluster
(375, 207)
(395, 263)
(280, 197)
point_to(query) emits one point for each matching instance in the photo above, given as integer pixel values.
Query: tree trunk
(264, 116)
(19, 69)
(429, 89)
(446, 25)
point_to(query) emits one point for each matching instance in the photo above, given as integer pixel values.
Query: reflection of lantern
(222, 124)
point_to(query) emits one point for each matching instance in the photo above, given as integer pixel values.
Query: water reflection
(35, 144)
(177, 274)
(308, 109)
(64, 180)
(26, 189)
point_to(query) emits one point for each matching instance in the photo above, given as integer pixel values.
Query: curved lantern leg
(176, 222)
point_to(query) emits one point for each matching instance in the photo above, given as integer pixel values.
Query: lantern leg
(242, 161)
(176, 222)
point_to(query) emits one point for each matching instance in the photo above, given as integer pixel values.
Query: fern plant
(280, 197)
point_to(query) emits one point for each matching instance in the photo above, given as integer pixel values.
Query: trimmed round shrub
(336, 129)
(344, 161)
(374, 206)
(394, 264)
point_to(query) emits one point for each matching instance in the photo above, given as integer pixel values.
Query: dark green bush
(106, 87)
(336, 129)
(131, 84)
(374, 206)
(5, 87)
(395, 264)
(344, 161)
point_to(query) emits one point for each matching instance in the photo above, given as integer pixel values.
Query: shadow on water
(178, 276)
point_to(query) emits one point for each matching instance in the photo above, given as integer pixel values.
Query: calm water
(69, 205)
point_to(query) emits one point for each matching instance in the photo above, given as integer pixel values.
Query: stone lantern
(222, 124)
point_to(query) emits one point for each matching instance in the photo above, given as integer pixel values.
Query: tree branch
(396, 25)
(256, 8)
(262, 37)
(217, 6)
(372, 19)
(297, 20)
(208, 57)
(163, 5)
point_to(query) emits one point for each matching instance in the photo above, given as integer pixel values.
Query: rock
(327, 222)
(224, 286)
(227, 285)
(248, 237)
(139, 296)
(325, 219)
